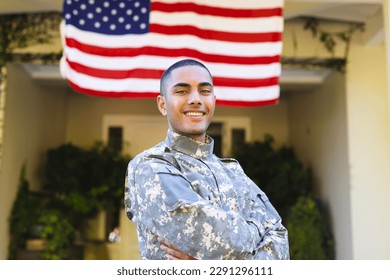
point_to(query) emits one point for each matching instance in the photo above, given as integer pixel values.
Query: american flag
(120, 48)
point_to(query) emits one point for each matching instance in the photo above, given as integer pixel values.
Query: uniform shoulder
(160, 154)
(143, 156)
(231, 163)
(229, 160)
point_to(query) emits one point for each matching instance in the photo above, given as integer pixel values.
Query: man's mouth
(194, 114)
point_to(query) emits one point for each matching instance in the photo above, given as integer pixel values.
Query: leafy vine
(329, 39)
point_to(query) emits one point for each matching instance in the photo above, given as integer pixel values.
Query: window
(215, 131)
(115, 138)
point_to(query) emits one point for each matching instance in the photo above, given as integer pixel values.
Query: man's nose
(194, 97)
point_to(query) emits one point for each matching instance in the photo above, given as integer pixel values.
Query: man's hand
(173, 253)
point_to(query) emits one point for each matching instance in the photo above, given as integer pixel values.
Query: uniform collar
(189, 146)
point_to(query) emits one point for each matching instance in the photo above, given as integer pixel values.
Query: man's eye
(205, 91)
(181, 91)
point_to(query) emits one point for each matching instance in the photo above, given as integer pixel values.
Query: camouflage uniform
(206, 206)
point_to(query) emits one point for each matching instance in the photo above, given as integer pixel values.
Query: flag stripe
(120, 43)
(132, 52)
(255, 71)
(242, 103)
(156, 74)
(249, 4)
(216, 35)
(218, 23)
(209, 10)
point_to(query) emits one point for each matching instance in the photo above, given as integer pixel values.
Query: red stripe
(215, 11)
(216, 35)
(237, 103)
(156, 74)
(154, 51)
(115, 74)
(248, 83)
(112, 94)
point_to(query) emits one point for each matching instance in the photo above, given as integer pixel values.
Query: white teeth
(194, 114)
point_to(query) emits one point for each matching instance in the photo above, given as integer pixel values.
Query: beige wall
(318, 133)
(369, 151)
(35, 120)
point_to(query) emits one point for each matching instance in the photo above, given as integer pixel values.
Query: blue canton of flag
(108, 17)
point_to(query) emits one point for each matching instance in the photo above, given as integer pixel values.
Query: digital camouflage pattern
(205, 206)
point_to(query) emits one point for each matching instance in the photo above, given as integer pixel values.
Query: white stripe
(239, 4)
(179, 41)
(161, 63)
(247, 94)
(237, 25)
(244, 71)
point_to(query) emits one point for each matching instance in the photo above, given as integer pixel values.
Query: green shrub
(309, 237)
(79, 183)
(277, 172)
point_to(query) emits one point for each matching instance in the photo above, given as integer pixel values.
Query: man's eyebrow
(205, 84)
(181, 85)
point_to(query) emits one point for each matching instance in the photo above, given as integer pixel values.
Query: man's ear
(161, 105)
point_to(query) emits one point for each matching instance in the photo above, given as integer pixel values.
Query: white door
(139, 132)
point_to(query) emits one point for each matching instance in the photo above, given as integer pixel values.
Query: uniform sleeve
(164, 202)
(274, 242)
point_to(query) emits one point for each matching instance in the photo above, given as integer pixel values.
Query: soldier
(185, 201)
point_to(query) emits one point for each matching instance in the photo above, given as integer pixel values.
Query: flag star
(144, 10)
(136, 18)
(114, 12)
(69, 2)
(97, 24)
(83, 6)
(75, 12)
(143, 25)
(105, 18)
(98, 10)
(137, 4)
(129, 12)
(106, 4)
(82, 22)
(128, 26)
(90, 15)
(91, 2)
(121, 19)
(121, 5)
(68, 16)
(112, 27)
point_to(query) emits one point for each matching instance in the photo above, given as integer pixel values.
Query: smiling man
(185, 201)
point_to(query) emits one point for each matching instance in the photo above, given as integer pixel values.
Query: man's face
(189, 101)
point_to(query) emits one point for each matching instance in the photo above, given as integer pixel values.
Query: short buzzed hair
(181, 63)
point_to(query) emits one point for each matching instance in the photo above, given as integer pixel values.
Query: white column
(386, 15)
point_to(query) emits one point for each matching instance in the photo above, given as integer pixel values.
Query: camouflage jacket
(206, 206)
